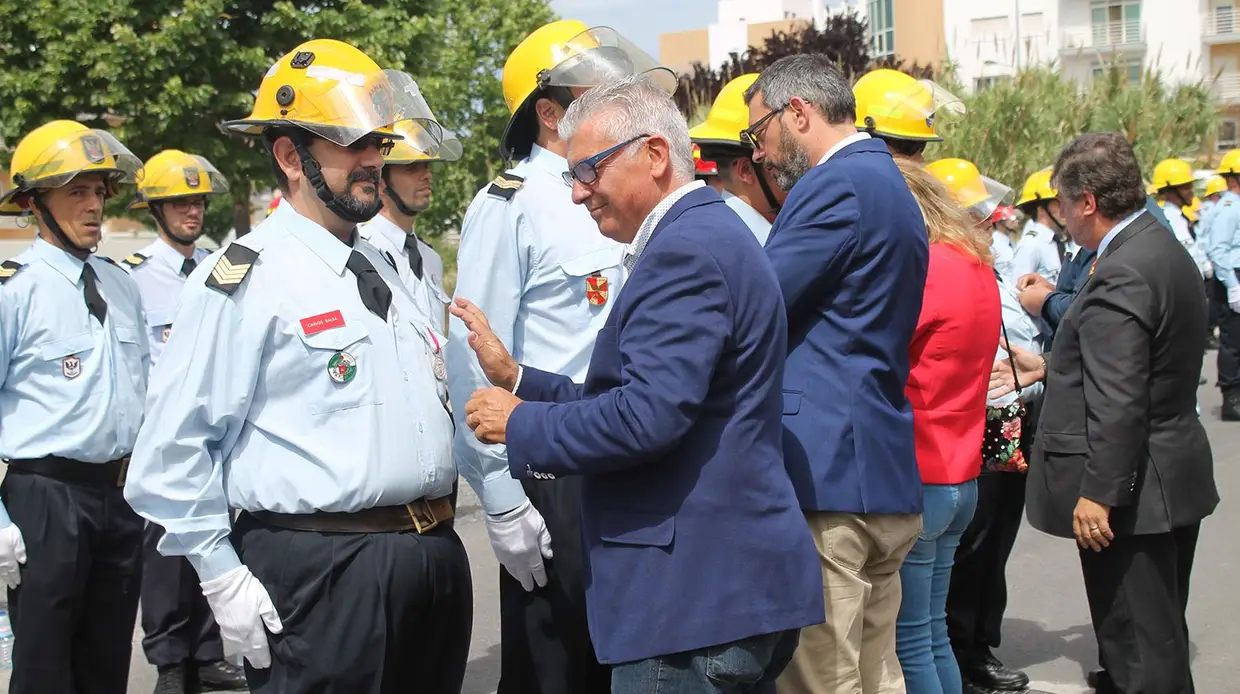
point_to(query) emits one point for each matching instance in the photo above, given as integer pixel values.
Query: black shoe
(221, 675)
(1211, 342)
(986, 671)
(1231, 406)
(171, 680)
(1100, 682)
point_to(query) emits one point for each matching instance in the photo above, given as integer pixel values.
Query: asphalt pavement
(1047, 632)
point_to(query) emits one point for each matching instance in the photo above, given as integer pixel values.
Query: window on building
(983, 83)
(1130, 70)
(1222, 18)
(1226, 137)
(1115, 22)
(881, 28)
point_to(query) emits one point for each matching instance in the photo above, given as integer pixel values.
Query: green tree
(164, 73)
(1018, 126)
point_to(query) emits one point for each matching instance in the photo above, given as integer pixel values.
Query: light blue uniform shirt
(427, 292)
(1223, 246)
(1036, 252)
(752, 218)
(526, 262)
(72, 388)
(1023, 332)
(160, 281)
(1001, 249)
(1179, 226)
(245, 415)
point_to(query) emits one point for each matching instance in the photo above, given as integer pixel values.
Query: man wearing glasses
(180, 637)
(850, 250)
(537, 264)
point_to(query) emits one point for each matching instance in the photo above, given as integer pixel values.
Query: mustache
(370, 176)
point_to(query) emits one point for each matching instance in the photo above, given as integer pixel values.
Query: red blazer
(951, 354)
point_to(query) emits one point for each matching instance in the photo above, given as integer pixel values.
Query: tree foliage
(164, 73)
(1018, 126)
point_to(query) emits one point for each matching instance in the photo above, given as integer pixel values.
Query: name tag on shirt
(321, 322)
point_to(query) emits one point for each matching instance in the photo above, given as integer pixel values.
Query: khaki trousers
(854, 651)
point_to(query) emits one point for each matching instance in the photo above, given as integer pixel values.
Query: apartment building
(1220, 39)
(739, 25)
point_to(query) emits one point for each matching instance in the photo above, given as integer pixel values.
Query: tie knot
(358, 264)
(88, 271)
(187, 266)
(411, 242)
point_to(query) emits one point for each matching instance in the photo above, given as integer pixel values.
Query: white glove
(242, 607)
(521, 540)
(12, 553)
(1233, 298)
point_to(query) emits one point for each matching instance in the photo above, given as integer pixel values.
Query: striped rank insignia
(9, 268)
(506, 186)
(232, 268)
(134, 260)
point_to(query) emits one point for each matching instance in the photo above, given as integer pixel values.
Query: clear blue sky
(640, 21)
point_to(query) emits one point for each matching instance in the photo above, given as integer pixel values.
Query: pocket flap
(157, 319)
(636, 528)
(1058, 442)
(128, 335)
(59, 349)
(335, 338)
(594, 261)
(440, 293)
(792, 401)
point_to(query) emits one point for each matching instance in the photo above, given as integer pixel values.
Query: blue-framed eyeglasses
(586, 170)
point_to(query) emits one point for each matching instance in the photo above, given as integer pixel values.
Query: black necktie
(94, 301)
(375, 293)
(188, 265)
(415, 256)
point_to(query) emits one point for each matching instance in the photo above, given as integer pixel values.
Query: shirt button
(419, 428)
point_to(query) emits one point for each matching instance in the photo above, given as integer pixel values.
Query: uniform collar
(320, 241)
(170, 256)
(387, 229)
(64, 263)
(1042, 230)
(748, 213)
(549, 161)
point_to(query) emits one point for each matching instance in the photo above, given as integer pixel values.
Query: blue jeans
(921, 628)
(748, 666)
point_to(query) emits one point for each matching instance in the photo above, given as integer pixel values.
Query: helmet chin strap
(50, 222)
(1054, 220)
(400, 205)
(766, 188)
(158, 214)
(314, 174)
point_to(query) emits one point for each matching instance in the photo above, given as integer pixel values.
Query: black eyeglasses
(753, 133)
(383, 144)
(586, 170)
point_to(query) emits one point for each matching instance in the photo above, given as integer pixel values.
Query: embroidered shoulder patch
(9, 268)
(505, 186)
(134, 260)
(232, 268)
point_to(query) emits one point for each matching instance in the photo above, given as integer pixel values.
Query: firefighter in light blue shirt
(744, 186)
(301, 385)
(179, 635)
(74, 359)
(546, 278)
(1223, 248)
(1043, 245)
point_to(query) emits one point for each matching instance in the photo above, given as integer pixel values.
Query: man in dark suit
(700, 568)
(850, 250)
(1122, 463)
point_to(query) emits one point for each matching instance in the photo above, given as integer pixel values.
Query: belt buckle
(423, 517)
(120, 476)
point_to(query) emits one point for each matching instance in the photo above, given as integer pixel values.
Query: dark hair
(724, 156)
(1105, 165)
(811, 76)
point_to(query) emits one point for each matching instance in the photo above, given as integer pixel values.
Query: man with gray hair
(850, 251)
(700, 567)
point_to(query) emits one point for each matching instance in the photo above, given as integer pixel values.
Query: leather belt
(111, 474)
(420, 516)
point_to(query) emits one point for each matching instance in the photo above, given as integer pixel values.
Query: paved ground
(1047, 632)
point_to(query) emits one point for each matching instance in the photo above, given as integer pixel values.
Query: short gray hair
(813, 77)
(633, 106)
(1105, 165)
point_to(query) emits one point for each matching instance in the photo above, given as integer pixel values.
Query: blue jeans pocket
(742, 662)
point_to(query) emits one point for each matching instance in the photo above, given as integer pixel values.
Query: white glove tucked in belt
(1233, 298)
(12, 554)
(242, 607)
(521, 540)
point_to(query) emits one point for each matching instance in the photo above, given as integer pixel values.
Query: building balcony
(1226, 88)
(1109, 37)
(1220, 25)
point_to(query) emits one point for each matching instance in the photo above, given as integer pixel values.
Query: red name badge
(321, 322)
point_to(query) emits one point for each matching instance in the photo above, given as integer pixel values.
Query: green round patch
(342, 367)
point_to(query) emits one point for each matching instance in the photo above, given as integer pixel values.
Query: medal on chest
(71, 366)
(596, 289)
(441, 370)
(342, 367)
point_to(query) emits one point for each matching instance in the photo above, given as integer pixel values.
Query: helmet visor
(925, 100)
(983, 196)
(451, 148)
(344, 107)
(79, 152)
(601, 54)
(423, 136)
(196, 176)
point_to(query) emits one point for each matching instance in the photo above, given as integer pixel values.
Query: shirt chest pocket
(66, 357)
(339, 370)
(159, 325)
(593, 280)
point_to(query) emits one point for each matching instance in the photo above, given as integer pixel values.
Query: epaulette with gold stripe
(107, 260)
(232, 268)
(134, 260)
(505, 186)
(9, 268)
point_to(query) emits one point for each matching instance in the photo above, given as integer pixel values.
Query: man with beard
(180, 637)
(302, 387)
(406, 186)
(73, 364)
(850, 250)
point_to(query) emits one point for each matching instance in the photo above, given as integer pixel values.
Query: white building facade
(730, 31)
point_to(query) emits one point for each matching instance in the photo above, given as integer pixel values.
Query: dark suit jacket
(1119, 422)
(850, 250)
(691, 527)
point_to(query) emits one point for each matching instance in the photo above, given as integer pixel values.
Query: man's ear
(742, 170)
(802, 113)
(548, 113)
(1089, 204)
(660, 155)
(285, 153)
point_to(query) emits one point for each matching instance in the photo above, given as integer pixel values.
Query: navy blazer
(691, 527)
(850, 250)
